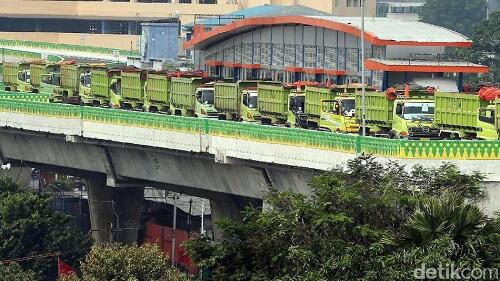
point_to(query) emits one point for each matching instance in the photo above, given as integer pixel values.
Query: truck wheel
(288, 125)
(393, 135)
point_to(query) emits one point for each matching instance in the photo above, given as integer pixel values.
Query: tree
(15, 272)
(131, 263)
(457, 15)
(352, 226)
(29, 226)
(486, 46)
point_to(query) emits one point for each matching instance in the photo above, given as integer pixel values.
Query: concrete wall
(118, 41)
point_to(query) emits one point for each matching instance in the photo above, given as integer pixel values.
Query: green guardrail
(65, 47)
(36, 97)
(410, 149)
(6, 52)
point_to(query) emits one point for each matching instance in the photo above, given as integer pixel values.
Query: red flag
(64, 269)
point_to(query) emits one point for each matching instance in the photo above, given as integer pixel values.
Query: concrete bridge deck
(229, 163)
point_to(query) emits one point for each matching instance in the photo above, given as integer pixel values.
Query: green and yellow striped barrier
(64, 47)
(36, 104)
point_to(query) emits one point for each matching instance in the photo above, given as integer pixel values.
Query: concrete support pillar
(229, 207)
(115, 212)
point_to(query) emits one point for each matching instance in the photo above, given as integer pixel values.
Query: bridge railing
(37, 104)
(64, 47)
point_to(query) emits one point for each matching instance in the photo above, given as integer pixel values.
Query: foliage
(131, 263)
(368, 221)
(29, 226)
(457, 15)
(486, 47)
(15, 272)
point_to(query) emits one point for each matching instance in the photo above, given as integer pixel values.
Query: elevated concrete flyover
(230, 163)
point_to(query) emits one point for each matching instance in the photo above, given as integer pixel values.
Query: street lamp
(363, 78)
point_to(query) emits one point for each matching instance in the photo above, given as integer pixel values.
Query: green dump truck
(16, 77)
(403, 117)
(46, 78)
(105, 89)
(274, 101)
(465, 115)
(237, 101)
(157, 92)
(132, 89)
(331, 109)
(193, 96)
(75, 84)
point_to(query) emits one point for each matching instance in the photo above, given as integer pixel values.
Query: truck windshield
(52, 79)
(297, 103)
(252, 101)
(418, 111)
(348, 107)
(207, 97)
(24, 76)
(85, 80)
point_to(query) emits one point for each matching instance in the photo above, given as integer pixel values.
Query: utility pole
(174, 229)
(363, 78)
(202, 216)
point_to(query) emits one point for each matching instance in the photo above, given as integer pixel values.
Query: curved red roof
(376, 33)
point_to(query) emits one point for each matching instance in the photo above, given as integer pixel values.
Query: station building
(316, 48)
(117, 23)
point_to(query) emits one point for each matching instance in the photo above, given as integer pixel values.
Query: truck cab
(24, 81)
(414, 119)
(339, 114)
(487, 123)
(249, 105)
(204, 106)
(85, 86)
(296, 110)
(51, 83)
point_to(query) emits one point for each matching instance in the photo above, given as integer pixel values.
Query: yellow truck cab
(337, 107)
(205, 98)
(488, 122)
(249, 104)
(296, 106)
(399, 115)
(339, 114)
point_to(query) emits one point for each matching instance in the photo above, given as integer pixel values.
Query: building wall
(277, 49)
(290, 53)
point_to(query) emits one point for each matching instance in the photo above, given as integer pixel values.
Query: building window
(310, 56)
(185, 1)
(119, 27)
(336, 3)
(278, 54)
(289, 55)
(299, 55)
(266, 53)
(331, 54)
(350, 3)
